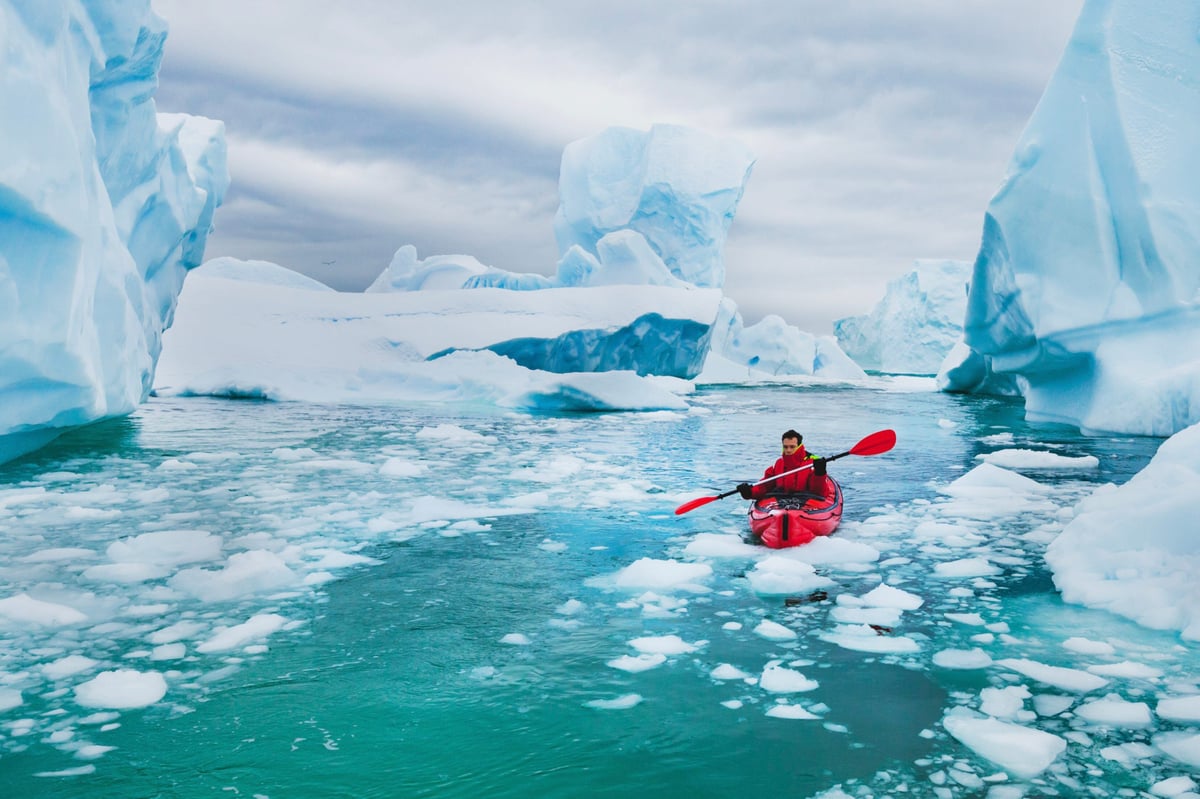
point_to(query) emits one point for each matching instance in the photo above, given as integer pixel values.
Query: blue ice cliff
(104, 206)
(1084, 295)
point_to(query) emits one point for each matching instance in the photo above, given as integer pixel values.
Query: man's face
(790, 445)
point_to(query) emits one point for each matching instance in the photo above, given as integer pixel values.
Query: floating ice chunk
(516, 639)
(1127, 669)
(986, 480)
(1183, 746)
(664, 645)
(1181, 708)
(1113, 711)
(789, 711)
(727, 671)
(1021, 751)
(1051, 704)
(886, 596)
(778, 574)
(399, 467)
(886, 617)
(167, 548)
(92, 751)
(428, 509)
(1004, 703)
(1086, 646)
(10, 698)
(453, 434)
(719, 545)
(773, 631)
(778, 679)
(966, 567)
(1035, 459)
(962, 659)
(638, 663)
(570, 607)
(253, 629)
(971, 619)
(827, 551)
(25, 609)
(126, 573)
(245, 573)
(59, 553)
(168, 652)
(68, 666)
(1174, 786)
(732, 704)
(662, 574)
(176, 632)
(121, 689)
(863, 638)
(1058, 676)
(620, 703)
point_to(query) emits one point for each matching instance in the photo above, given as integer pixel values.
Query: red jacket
(792, 483)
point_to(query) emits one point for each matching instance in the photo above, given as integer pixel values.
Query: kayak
(794, 519)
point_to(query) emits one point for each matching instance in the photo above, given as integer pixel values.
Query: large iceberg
(1085, 290)
(635, 208)
(646, 208)
(916, 324)
(104, 206)
(253, 329)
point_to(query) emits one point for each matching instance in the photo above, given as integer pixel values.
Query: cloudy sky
(881, 127)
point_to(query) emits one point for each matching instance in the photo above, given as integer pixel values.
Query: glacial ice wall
(104, 206)
(1084, 293)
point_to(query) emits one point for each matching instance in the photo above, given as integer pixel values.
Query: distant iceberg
(643, 209)
(271, 336)
(916, 324)
(1085, 294)
(104, 206)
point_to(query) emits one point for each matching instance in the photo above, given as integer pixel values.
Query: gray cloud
(881, 129)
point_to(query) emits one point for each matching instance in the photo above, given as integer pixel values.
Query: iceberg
(635, 208)
(1147, 574)
(916, 324)
(1085, 294)
(770, 349)
(104, 206)
(277, 335)
(647, 209)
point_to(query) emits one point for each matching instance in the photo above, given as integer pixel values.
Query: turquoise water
(397, 674)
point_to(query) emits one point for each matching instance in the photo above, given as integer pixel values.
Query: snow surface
(1084, 293)
(104, 206)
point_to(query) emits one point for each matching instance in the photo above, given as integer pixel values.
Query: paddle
(874, 444)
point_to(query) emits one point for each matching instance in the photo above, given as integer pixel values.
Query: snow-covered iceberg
(104, 206)
(1086, 288)
(277, 335)
(916, 324)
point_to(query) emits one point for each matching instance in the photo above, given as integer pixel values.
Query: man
(794, 457)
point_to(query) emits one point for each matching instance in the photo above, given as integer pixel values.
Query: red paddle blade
(875, 443)
(693, 504)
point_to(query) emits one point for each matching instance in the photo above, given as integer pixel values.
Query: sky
(881, 129)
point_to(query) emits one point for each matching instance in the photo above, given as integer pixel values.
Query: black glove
(744, 489)
(819, 467)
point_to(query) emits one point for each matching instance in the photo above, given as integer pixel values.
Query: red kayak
(794, 519)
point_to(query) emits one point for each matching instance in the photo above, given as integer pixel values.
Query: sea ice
(1021, 751)
(121, 689)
